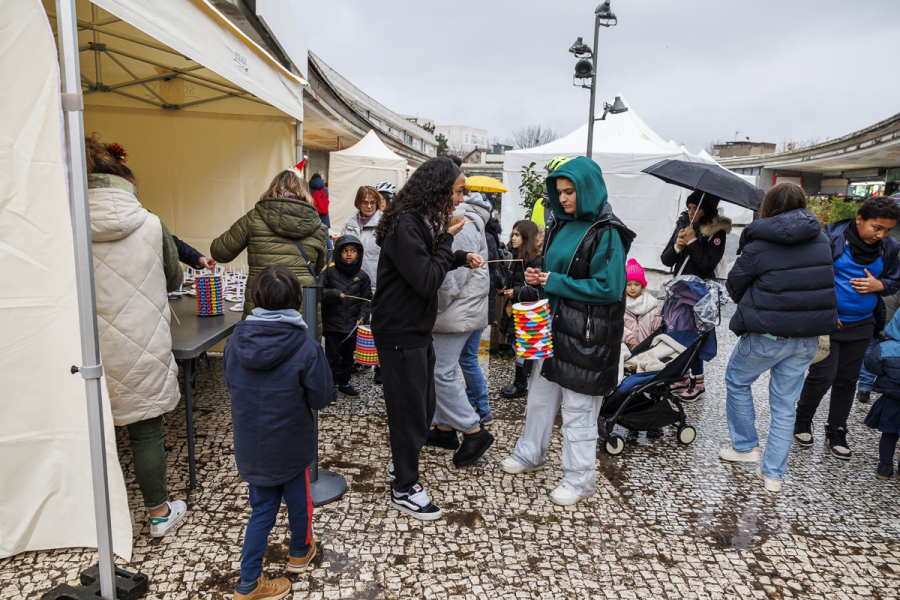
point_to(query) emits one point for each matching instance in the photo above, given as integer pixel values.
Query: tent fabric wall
(197, 172)
(367, 162)
(45, 462)
(623, 146)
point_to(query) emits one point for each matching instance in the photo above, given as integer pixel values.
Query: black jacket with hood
(340, 315)
(703, 254)
(588, 299)
(783, 279)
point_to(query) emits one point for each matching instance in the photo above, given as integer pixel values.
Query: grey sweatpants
(453, 408)
(579, 431)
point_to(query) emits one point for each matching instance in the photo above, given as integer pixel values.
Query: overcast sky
(694, 70)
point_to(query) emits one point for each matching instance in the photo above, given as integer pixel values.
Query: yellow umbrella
(480, 183)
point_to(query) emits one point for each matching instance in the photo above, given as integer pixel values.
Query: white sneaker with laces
(772, 485)
(514, 467)
(566, 497)
(732, 455)
(160, 526)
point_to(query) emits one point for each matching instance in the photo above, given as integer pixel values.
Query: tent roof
(371, 146)
(178, 54)
(623, 143)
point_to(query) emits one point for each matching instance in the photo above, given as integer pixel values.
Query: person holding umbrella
(696, 248)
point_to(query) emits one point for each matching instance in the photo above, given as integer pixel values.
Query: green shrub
(830, 209)
(531, 188)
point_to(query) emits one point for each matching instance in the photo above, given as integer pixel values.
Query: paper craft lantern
(534, 337)
(366, 354)
(209, 295)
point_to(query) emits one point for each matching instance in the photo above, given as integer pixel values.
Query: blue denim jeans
(265, 501)
(866, 379)
(787, 360)
(476, 389)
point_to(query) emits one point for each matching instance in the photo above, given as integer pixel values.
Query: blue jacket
(884, 362)
(890, 275)
(783, 278)
(276, 376)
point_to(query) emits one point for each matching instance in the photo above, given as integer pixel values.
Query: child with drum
(346, 303)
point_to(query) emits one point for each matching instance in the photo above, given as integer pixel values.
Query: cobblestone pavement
(667, 521)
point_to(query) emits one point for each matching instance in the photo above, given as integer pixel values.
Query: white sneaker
(160, 526)
(566, 497)
(772, 485)
(514, 467)
(732, 455)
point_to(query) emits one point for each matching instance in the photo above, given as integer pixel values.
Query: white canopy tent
(623, 146)
(193, 129)
(367, 162)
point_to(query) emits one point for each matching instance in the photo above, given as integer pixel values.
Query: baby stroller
(642, 401)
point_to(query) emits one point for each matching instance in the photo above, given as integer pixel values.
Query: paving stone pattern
(667, 521)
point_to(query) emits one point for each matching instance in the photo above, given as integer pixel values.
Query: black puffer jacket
(340, 315)
(783, 280)
(586, 338)
(704, 254)
(492, 233)
(521, 292)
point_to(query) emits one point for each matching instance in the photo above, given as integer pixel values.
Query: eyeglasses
(369, 203)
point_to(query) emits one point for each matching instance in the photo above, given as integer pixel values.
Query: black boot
(442, 439)
(803, 432)
(474, 445)
(519, 387)
(377, 376)
(836, 440)
(863, 396)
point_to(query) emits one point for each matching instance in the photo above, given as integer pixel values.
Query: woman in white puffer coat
(135, 264)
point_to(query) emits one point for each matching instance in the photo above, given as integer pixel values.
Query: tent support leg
(73, 105)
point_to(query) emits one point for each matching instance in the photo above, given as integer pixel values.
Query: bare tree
(812, 141)
(785, 144)
(530, 136)
(711, 147)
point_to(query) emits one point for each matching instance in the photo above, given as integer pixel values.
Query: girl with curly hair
(416, 240)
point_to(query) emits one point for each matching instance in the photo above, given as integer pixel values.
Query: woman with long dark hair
(525, 247)
(416, 240)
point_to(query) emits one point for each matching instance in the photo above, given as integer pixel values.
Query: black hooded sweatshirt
(340, 315)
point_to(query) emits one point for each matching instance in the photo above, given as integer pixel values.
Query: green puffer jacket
(269, 232)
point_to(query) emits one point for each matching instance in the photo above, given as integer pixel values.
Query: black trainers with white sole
(347, 390)
(803, 432)
(836, 441)
(416, 504)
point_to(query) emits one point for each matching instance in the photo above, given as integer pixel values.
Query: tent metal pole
(91, 369)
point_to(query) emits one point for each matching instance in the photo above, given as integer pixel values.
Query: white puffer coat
(132, 306)
(366, 235)
(463, 297)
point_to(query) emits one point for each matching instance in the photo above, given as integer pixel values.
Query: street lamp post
(588, 70)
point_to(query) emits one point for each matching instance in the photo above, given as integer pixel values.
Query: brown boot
(267, 589)
(299, 565)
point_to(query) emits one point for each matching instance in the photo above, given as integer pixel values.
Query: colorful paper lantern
(209, 295)
(534, 338)
(366, 354)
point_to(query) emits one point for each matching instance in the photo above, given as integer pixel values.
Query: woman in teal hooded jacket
(585, 252)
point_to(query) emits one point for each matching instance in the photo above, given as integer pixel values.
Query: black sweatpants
(408, 376)
(838, 371)
(339, 350)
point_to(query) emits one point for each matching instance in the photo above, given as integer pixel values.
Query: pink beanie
(635, 272)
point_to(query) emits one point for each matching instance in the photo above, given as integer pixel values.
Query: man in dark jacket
(346, 303)
(276, 376)
(783, 284)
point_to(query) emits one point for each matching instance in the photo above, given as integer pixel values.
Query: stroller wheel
(686, 434)
(614, 444)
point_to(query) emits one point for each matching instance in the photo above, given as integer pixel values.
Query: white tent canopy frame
(623, 146)
(367, 162)
(240, 76)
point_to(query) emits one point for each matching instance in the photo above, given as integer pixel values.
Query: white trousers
(579, 431)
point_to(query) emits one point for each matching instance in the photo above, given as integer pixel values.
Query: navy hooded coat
(783, 278)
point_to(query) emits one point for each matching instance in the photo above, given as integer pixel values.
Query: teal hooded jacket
(607, 269)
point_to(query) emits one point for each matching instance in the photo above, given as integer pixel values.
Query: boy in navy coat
(884, 362)
(277, 376)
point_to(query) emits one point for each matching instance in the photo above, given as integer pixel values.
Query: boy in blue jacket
(884, 362)
(276, 376)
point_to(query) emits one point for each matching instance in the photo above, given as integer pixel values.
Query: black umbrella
(712, 179)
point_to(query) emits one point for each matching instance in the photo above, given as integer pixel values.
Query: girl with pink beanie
(642, 311)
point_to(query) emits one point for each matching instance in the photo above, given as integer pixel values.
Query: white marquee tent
(623, 146)
(208, 119)
(367, 162)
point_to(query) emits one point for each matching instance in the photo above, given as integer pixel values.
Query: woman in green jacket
(273, 233)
